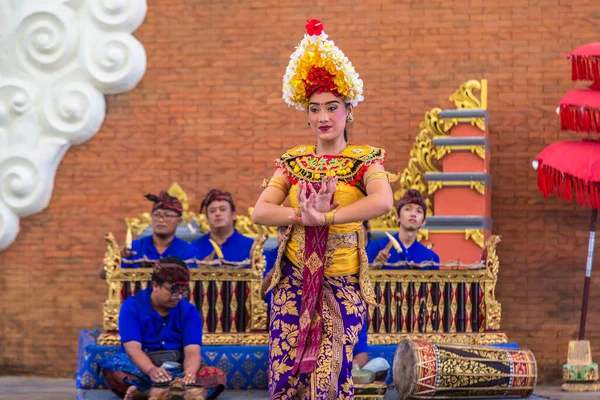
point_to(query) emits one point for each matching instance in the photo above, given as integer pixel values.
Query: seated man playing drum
(411, 253)
(161, 333)
(361, 357)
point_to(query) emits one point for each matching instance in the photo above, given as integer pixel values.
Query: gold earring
(350, 118)
(308, 123)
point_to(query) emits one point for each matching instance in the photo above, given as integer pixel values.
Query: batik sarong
(342, 310)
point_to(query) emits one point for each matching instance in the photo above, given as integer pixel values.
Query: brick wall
(209, 113)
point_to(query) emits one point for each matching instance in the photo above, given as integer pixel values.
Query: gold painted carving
(432, 126)
(493, 307)
(465, 99)
(478, 150)
(475, 235)
(478, 186)
(457, 338)
(581, 387)
(386, 221)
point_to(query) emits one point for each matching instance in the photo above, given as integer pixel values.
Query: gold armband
(377, 175)
(297, 212)
(329, 217)
(280, 184)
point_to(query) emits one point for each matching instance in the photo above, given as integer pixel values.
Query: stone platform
(33, 388)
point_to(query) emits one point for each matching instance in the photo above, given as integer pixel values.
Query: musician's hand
(159, 375)
(383, 255)
(126, 253)
(189, 377)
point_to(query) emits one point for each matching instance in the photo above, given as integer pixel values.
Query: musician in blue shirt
(158, 318)
(223, 237)
(411, 217)
(166, 217)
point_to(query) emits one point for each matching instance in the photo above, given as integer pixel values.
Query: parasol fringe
(579, 119)
(551, 181)
(585, 68)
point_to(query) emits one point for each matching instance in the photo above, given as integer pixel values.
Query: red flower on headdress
(319, 80)
(314, 27)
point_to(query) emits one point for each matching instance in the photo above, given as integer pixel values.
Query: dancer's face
(327, 115)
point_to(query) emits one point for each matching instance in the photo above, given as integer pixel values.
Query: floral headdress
(318, 65)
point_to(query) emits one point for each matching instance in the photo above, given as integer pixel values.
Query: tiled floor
(31, 388)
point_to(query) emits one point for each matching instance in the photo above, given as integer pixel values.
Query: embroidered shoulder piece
(301, 163)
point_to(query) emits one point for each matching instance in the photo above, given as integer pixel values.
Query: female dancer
(320, 284)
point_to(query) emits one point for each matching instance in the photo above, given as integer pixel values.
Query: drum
(443, 371)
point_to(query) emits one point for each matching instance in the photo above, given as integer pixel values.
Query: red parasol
(567, 167)
(585, 63)
(571, 167)
(580, 111)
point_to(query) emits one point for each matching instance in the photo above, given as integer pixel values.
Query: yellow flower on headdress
(318, 65)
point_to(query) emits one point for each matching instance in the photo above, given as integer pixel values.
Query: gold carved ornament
(494, 308)
(478, 186)
(465, 99)
(433, 126)
(478, 150)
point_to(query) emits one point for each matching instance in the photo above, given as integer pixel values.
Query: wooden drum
(435, 371)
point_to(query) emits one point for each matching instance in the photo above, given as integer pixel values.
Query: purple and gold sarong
(312, 339)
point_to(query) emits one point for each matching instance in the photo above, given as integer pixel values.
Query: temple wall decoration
(57, 61)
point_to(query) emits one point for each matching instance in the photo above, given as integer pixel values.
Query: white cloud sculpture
(57, 60)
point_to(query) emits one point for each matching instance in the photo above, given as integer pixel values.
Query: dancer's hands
(314, 204)
(325, 194)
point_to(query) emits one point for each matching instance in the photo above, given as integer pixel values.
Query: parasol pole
(588, 274)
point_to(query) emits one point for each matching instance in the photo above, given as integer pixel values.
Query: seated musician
(223, 239)
(411, 217)
(161, 333)
(361, 357)
(166, 217)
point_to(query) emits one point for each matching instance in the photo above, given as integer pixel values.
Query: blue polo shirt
(144, 247)
(139, 322)
(270, 258)
(236, 248)
(362, 346)
(416, 253)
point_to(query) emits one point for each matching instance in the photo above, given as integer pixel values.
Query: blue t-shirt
(270, 257)
(139, 322)
(362, 346)
(416, 253)
(144, 247)
(236, 248)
